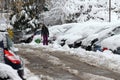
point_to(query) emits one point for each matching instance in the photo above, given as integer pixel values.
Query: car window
(9, 42)
(37, 32)
(116, 30)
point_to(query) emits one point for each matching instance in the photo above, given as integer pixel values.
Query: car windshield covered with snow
(38, 32)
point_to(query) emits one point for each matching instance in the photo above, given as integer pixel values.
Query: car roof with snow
(106, 33)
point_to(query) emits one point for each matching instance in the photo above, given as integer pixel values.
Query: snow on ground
(104, 59)
(31, 76)
(6, 71)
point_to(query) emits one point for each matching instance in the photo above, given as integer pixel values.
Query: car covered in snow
(29, 38)
(112, 43)
(8, 55)
(97, 38)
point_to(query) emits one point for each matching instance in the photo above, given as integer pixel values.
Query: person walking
(45, 34)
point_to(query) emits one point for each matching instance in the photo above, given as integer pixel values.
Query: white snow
(62, 10)
(6, 71)
(30, 76)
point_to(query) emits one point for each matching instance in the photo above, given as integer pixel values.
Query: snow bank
(6, 71)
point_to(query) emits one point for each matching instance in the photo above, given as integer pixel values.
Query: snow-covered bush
(68, 11)
(25, 22)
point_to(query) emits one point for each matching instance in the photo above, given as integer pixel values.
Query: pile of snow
(7, 71)
(30, 76)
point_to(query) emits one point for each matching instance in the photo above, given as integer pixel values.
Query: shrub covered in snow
(67, 11)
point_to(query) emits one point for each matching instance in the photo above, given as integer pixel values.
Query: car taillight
(104, 48)
(11, 57)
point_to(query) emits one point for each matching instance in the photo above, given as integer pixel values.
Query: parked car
(97, 38)
(9, 57)
(112, 43)
(28, 38)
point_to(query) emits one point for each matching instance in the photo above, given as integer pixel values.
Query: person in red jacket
(45, 34)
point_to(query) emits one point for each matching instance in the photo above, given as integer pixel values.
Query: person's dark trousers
(45, 39)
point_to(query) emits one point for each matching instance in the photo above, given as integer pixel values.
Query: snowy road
(56, 65)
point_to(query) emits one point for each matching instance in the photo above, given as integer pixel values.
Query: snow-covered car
(9, 57)
(29, 38)
(97, 38)
(112, 43)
